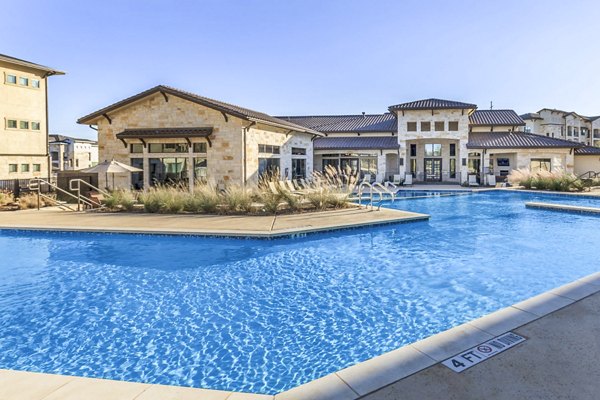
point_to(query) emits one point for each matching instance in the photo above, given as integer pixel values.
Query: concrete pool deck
(54, 219)
(559, 360)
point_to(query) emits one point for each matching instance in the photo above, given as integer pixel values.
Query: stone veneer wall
(224, 158)
(263, 134)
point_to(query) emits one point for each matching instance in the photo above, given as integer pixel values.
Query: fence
(16, 186)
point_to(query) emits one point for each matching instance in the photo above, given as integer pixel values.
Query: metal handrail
(590, 175)
(80, 197)
(34, 184)
(386, 190)
(360, 187)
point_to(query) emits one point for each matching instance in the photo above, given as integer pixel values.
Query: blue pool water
(267, 315)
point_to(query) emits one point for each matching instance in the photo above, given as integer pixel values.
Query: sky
(291, 57)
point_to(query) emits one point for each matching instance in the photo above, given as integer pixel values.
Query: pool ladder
(375, 188)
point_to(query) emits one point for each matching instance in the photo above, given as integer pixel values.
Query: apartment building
(567, 125)
(24, 118)
(69, 153)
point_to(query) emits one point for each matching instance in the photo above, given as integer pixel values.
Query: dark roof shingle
(516, 140)
(164, 133)
(432, 104)
(356, 143)
(495, 117)
(530, 116)
(231, 109)
(347, 123)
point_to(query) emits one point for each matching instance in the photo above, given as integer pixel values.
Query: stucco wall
(22, 103)
(584, 164)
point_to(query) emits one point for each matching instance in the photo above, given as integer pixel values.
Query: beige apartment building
(70, 154)
(567, 125)
(24, 119)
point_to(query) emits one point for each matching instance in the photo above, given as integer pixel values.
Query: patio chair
(408, 180)
(491, 180)
(473, 180)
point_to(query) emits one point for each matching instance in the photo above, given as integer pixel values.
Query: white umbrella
(111, 167)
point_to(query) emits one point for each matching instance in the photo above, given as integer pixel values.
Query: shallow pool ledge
(563, 208)
(240, 226)
(374, 374)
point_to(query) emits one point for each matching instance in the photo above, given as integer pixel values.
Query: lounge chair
(273, 188)
(408, 180)
(289, 186)
(473, 180)
(491, 180)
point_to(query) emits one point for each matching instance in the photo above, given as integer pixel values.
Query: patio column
(485, 166)
(191, 179)
(403, 158)
(463, 160)
(146, 167)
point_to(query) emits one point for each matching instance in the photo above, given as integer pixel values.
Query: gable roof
(29, 64)
(577, 115)
(495, 117)
(231, 109)
(516, 140)
(358, 123)
(356, 143)
(432, 104)
(594, 118)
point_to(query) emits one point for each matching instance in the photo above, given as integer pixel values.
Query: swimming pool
(267, 315)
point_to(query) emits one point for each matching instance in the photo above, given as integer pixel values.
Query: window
(168, 148)
(268, 149)
(569, 131)
(527, 129)
(12, 167)
(136, 148)
(575, 131)
(453, 168)
(596, 133)
(411, 126)
(413, 150)
(137, 178)
(298, 151)
(77, 162)
(433, 150)
(368, 165)
(298, 168)
(199, 147)
(37, 167)
(200, 168)
(413, 166)
(425, 126)
(540, 164)
(35, 126)
(11, 123)
(23, 124)
(11, 79)
(452, 149)
(23, 81)
(35, 83)
(439, 126)
(24, 167)
(268, 165)
(453, 126)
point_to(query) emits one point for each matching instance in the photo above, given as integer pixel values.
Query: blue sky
(312, 57)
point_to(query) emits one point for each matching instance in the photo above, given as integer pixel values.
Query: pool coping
(563, 208)
(350, 383)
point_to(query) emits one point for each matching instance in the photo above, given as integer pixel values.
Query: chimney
(364, 116)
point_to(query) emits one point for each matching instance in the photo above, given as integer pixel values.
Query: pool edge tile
(543, 304)
(576, 290)
(592, 279)
(329, 387)
(166, 392)
(98, 389)
(380, 371)
(503, 320)
(452, 341)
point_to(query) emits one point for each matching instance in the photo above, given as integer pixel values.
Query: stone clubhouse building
(177, 136)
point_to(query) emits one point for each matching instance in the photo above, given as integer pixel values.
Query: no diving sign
(482, 352)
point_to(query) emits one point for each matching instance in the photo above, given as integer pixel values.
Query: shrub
(238, 199)
(546, 180)
(270, 202)
(6, 198)
(29, 200)
(120, 199)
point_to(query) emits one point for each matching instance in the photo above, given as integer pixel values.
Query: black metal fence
(18, 186)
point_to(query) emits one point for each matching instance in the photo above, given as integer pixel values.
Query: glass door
(433, 169)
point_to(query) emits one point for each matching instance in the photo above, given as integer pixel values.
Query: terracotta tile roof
(231, 109)
(515, 140)
(347, 123)
(587, 151)
(495, 117)
(432, 104)
(29, 64)
(356, 143)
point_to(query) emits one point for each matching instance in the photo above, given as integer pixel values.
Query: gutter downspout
(244, 169)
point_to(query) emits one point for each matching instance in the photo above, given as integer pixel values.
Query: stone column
(403, 155)
(146, 167)
(463, 160)
(485, 166)
(191, 179)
